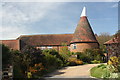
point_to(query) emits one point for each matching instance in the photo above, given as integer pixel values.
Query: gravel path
(81, 71)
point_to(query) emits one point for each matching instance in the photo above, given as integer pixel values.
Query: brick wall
(80, 47)
(13, 44)
(58, 48)
(113, 50)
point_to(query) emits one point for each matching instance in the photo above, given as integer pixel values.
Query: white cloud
(16, 16)
(24, 12)
(11, 32)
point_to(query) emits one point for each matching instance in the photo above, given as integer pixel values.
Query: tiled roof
(50, 39)
(115, 40)
(83, 32)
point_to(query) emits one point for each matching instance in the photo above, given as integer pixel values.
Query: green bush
(64, 58)
(90, 55)
(51, 51)
(64, 49)
(84, 57)
(52, 62)
(74, 62)
(95, 62)
(95, 54)
(61, 56)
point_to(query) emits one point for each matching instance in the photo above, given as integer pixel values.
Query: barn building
(113, 46)
(83, 38)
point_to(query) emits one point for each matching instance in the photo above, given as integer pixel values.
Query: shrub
(95, 61)
(84, 57)
(37, 70)
(64, 49)
(52, 61)
(114, 61)
(111, 68)
(74, 61)
(79, 62)
(95, 54)
(64, 58)
(90, 55)
(51, 51)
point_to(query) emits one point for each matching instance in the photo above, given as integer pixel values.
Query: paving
(81, 71)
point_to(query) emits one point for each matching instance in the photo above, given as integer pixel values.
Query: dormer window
(74, 46)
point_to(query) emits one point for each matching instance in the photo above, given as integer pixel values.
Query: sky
(34, 18)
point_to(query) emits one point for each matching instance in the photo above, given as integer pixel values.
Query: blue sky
(24, 18)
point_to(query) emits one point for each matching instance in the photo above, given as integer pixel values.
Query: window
(74, 46)
(68, 47)
(49, 47)
(42, 47)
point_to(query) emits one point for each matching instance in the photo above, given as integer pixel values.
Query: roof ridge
(43, 34)
(112, 40)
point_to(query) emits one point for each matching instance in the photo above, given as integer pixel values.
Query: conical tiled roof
(83, 32)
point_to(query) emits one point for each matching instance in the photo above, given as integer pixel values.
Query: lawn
(100, 71)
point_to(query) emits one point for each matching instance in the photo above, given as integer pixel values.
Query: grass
(99, 71)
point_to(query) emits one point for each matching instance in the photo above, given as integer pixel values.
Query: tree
(64, 49)
(26, 58)
(6, 55)
(19, 67)
(102, 38)
(34, 54)
(117, 33)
